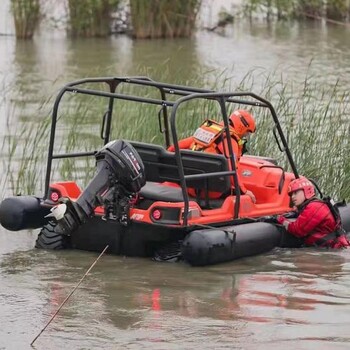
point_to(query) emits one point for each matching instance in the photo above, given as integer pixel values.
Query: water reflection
(284, 295)
(137, 301)
(281, 47)
(178, 59)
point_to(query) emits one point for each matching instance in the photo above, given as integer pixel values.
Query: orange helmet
(242, 121)
(302, 184)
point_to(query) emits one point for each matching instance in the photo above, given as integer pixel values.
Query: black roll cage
(186, 93)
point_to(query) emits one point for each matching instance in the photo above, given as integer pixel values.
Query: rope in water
(69, 295)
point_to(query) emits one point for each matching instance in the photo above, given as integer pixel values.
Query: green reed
(163, 18)
(90, 18)
(25, 148)
(315, 120)
(338, 10)
(26, 14)
(285, 9)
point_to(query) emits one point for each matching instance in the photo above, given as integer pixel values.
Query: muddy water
(295, 299)
(283, 299)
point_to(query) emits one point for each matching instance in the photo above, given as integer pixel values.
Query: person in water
(317, 221)
(210, 137)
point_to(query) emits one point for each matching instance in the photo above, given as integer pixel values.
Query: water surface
(283, 299)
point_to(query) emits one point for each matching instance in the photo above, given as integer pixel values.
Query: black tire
(48, 238)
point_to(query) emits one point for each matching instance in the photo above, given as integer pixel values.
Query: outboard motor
(120, 175)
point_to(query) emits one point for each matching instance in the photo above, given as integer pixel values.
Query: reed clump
(90, 18)
(26, 15)
(335, 10)
(315, 121)
(163, 18)
(338, 10)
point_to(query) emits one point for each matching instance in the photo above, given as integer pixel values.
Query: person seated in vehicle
(317, 222)
(211, 137)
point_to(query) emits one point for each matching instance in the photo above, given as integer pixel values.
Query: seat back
(161, 166)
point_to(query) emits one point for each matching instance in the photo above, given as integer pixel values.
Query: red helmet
(302, 184)
(242, 121)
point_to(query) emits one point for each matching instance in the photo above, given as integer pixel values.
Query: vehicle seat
(154, 191)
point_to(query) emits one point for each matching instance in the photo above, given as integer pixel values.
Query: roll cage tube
(113, 84)
(106, 122)
(264, 103)
(232, 157)
(280, 132)
(165, 90)
(222, 98)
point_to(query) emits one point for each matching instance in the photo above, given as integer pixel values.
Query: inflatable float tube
(23, 212)
(213, 246)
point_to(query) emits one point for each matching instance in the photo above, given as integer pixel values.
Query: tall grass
(26, 148)
(26, 14)
(338, 10)
(315, 121)
(163, 18)
(90, 18)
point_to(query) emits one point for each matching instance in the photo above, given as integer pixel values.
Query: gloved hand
(291, 214)
(281, 219)
(270, 218)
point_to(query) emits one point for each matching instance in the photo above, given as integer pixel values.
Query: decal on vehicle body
(137, 216)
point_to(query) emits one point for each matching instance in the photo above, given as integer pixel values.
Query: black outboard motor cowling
(126, 163)
(120, 175)
(118, 163)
